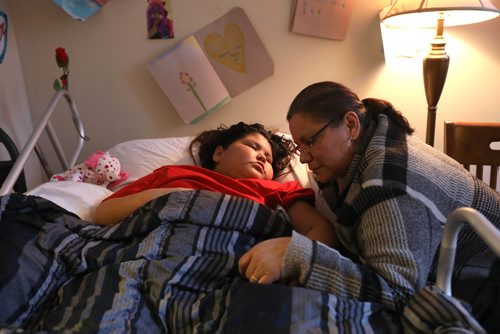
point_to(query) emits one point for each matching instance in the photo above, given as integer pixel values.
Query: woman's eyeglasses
(298, 149)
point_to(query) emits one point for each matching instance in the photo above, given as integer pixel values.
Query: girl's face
(157, 13)
(327, 152)
(247, 158)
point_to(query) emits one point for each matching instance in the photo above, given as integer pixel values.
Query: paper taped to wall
(80, 10)
(321, 18)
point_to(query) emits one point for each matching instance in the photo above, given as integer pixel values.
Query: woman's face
(247, 158)
(328, 155)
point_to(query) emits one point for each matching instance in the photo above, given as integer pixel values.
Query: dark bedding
(171, 267)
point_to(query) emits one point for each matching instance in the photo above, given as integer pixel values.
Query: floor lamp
(436, 13)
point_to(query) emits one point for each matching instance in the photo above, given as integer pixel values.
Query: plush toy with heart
(100, 168)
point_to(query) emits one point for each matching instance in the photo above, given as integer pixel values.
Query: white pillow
(78, 197)
(142, 156)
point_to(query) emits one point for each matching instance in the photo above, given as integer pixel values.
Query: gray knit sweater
(391, 207)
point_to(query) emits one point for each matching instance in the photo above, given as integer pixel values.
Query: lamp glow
(436, 13)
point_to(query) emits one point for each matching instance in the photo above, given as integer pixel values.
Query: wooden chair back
(470, 144)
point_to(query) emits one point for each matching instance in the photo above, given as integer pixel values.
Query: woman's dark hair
(326, 101)
(205, 143)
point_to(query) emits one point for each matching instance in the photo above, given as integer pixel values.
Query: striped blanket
(171, 267)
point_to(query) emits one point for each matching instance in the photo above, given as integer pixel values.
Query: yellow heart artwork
(228, 50)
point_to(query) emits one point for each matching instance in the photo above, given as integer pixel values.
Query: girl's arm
(112, 211)
(309, 222)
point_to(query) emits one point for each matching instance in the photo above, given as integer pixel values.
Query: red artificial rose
(62, 58)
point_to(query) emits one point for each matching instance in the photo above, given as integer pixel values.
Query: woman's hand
(262, 263)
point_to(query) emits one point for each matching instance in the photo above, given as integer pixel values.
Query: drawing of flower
(187, 80)
(62, 60)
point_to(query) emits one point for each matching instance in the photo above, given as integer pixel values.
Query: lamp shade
(424, 13)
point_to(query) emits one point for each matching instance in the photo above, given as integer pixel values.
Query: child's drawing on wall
(160, 24)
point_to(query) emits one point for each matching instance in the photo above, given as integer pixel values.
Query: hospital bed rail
(32, 142)
(457, 219)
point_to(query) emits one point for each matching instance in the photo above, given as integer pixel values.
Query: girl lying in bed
(241, 160)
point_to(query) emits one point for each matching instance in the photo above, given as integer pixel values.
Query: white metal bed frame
(31, 144)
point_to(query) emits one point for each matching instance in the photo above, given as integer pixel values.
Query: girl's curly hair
(205, 143)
